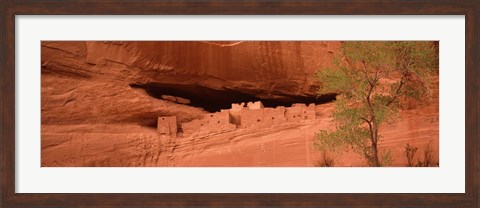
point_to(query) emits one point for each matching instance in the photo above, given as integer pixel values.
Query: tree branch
(397, 91)
(365, 72)
(370, 91)
(366, 120)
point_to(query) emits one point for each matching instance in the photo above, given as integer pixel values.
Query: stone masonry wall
(262, 117)
(167, 126)
(254, 114)
(211, 122)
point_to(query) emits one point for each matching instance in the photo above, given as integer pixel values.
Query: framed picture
(217, 103)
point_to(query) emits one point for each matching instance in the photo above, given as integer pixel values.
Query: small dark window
(218, 121)
(163, 118)
(304, 111)
(273, 118)
(201, 124)
(258, 120)
(294, 116)
(211, 115)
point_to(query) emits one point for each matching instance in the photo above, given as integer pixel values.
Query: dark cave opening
(213, 100)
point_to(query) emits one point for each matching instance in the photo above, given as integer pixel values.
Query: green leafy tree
(373, 80)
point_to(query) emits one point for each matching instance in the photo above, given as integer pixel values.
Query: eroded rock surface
(101, 101)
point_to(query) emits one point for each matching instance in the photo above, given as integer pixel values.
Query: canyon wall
(101, 101)
(100, 75)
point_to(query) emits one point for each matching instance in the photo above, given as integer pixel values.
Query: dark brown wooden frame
(9, 8)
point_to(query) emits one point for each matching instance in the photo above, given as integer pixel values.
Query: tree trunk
(375, 161)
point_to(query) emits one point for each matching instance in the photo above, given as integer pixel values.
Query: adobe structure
(210, 123)
(238, 116)
(167, 126)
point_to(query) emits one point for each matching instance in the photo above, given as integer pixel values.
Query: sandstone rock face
(101, 102)
(106, 72)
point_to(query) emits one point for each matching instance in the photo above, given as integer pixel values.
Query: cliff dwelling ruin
(238, 116)
(201, 104)
(200, 96)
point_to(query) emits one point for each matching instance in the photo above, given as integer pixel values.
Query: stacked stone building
(242, 115)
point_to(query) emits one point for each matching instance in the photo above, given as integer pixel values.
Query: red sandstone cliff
(100, 107)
